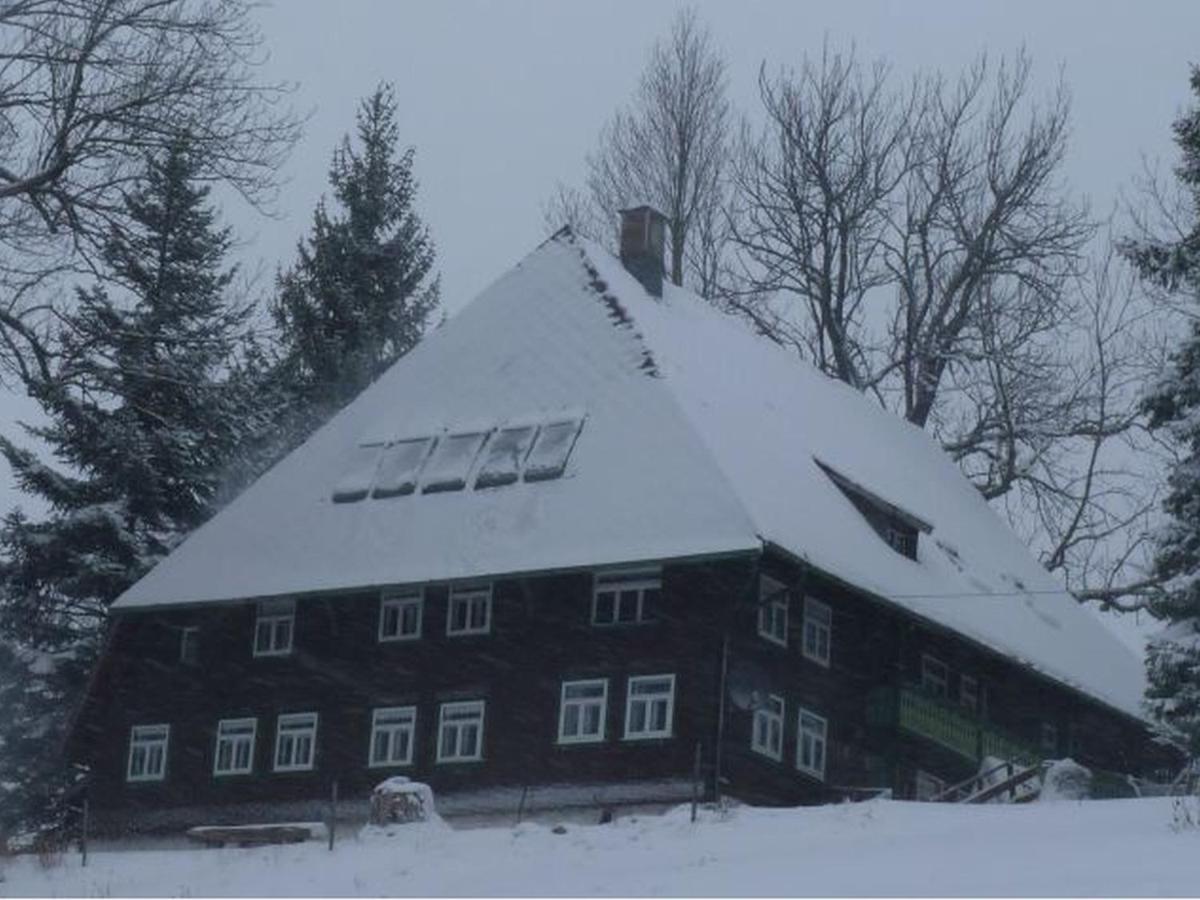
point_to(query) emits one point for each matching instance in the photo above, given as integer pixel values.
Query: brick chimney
(643, 237)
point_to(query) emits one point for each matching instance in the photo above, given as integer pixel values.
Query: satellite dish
(748, 685)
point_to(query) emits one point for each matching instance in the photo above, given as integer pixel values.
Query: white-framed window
(811, 743)
(928, 787)
(400, 616)
(767, 736)
(968, 693)
(189, 645)
(649, 706)
(935, 676)
(295, 742)
(274, 627)
(818, 631)
(469, 610)
(235, 747)
(460, 731)
(393, 733)
(625, 597)
(773, 602)
(148, 752)
(1049, 739)
(583, 709)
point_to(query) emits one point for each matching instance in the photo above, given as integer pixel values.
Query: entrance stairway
(1006, 782)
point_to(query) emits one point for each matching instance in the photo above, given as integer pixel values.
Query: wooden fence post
(333, 799)
(83, 839)
(696, 781)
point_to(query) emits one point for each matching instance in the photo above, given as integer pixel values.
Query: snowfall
(1064, 848)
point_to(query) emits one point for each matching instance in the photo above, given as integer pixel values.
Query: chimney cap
(642, 208)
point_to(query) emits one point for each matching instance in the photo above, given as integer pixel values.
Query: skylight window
(400, 467)
(548, 458)
(451, 461)
(504, 456)
(356, 478)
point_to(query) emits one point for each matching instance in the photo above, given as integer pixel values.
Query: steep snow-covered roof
(698, 438)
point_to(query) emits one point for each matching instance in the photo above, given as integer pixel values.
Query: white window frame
(968, 698)
(189, 640)
(936, 684)
(148, 739)
(617, 583)
(234, 740)
(766, 735)
(469, 594)
(582, 704)
(392, 730)
(819, 736)
(401, 600)
(773, 613)
(273, 614)
(818, 623)
(460, 706)
(631, 698)
(284, 721)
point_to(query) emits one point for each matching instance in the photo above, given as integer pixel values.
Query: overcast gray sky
(502, 100)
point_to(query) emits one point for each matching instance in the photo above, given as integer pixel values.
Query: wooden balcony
(911, 710)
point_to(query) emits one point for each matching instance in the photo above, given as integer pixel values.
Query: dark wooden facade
(704, 626)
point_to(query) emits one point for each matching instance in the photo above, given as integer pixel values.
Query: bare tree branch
(88, 88)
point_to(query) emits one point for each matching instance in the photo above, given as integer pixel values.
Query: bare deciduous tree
(813, 191)
(667, 149)
(87, 89)
(919, 244)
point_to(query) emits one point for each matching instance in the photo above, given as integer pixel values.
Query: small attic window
(504, 456)
(898, 528)
(451, 461)
(400, 467)
(548, 458)
(359, 473)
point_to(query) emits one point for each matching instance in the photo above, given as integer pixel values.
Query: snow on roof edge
(983, 643)
(622, 561)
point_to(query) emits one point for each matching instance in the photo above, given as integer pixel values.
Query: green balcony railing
(917, 713)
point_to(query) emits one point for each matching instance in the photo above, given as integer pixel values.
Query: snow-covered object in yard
(1066, 779)
(699, 437)
(399, 800)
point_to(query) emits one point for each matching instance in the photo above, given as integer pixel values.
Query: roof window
(451, 461)
(356, 478)
(400, 467)
(898, 528)
(548, 458)
(505, 454)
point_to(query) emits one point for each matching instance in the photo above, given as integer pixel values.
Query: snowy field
(1115, 847)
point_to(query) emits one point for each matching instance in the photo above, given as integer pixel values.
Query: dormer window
(898, 528)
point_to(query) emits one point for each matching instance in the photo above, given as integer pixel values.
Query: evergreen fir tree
(144, 421)
(1173, 406)
(361, 294)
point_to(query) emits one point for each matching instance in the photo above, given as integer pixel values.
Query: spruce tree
(1173, 407)
(144, 420)
(362, 291)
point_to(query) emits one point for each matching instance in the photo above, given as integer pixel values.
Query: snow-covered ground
(1115, 847)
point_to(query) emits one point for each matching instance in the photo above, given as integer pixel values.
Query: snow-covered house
(586, 527)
